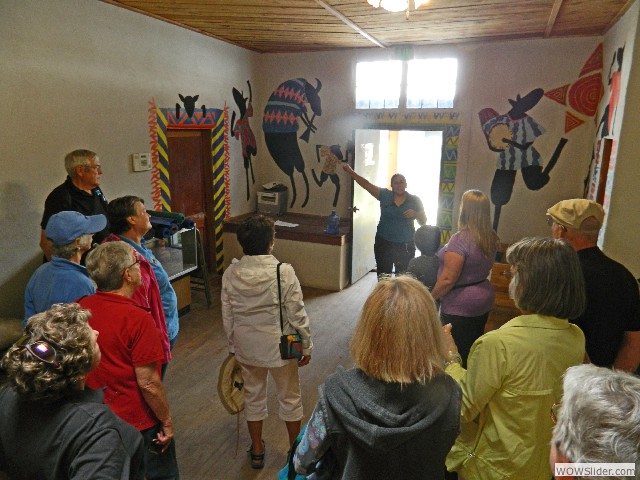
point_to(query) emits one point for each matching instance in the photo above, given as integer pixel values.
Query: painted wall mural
(512, 135)
(582, 96)
(216, 120)
(286, 105)
(606, 124)
(597, 185)
(331, 157)
(241, 130)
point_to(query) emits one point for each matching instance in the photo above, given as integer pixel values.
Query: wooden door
(191, 182)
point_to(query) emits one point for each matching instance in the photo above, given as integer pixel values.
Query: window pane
(378, 84)
(431, 83)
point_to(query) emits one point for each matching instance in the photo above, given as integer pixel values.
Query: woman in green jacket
(514, 374)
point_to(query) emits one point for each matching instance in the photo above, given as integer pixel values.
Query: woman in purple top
(463, 287)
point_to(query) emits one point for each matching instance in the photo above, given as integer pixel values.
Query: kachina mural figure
(286, 105)
(330, 157)
(241, 130)
(512, 135)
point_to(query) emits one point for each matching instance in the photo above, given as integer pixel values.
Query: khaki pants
(287, 385)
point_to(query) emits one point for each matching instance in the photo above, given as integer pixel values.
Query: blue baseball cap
(64, 227)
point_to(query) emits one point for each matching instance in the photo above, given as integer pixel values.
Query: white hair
(599, 419)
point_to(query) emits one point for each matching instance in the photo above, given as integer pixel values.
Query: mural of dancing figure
(512, 136)
(242, 131)
(605, 126)
(332, 157)
(286, 105)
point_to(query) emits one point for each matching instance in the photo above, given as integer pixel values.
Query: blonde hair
(399, 337)
(475, 216)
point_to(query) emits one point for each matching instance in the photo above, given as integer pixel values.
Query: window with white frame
(430, 83)
(378, 84)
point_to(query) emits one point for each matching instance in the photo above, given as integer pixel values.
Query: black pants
(465, 331)
(389, 254)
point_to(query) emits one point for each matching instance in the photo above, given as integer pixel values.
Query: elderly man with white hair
(611, 321)
(80, 192)
(598, 421)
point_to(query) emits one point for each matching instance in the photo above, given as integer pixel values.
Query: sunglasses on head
(39, 349)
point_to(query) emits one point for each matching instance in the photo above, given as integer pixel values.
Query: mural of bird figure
(242, 131)
(285, 106)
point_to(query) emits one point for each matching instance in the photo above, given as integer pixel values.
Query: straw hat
(230, 385)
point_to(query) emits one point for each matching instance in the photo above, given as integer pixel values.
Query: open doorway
(418, 155)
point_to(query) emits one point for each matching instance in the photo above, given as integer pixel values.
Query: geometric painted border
(215, 120)
(449, 123)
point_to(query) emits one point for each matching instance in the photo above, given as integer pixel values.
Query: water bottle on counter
(333, 224)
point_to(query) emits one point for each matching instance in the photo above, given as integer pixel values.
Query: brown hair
(475, 216)
(255, 235)
(547, 277)
(398, 337)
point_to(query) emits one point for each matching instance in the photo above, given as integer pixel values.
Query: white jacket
(250, 313)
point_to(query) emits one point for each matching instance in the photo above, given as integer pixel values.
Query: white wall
(80, 74)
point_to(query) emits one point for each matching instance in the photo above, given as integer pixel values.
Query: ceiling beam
(552, 18)
(350, 24)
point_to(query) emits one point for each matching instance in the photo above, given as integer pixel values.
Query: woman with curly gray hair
(51, 426)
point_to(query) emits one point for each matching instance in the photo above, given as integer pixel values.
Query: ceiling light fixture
(397, 5)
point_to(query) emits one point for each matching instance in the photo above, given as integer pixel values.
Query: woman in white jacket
(251, 319)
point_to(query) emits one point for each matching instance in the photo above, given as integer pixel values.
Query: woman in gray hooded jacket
(396, 414)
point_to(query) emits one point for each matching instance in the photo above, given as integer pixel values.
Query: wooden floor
(206, 434)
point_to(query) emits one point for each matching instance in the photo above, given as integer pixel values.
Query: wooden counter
(319, 259)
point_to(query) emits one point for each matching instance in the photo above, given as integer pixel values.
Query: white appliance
(273, 201)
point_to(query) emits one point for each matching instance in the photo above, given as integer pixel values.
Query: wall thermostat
(141, 162)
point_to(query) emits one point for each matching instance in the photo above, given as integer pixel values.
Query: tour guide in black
(80, 193)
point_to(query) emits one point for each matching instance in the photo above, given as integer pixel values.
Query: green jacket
(513, 378)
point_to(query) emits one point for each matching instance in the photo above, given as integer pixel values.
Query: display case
(179, 257)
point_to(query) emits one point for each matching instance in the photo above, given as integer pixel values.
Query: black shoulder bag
(291, 344)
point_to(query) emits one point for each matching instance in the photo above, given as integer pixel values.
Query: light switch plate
(141, 162)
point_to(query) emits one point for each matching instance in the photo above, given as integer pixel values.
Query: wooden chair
(503, 308)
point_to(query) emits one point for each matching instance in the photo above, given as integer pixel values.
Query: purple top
(473, 300)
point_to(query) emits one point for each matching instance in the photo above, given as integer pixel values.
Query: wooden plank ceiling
(311, 25)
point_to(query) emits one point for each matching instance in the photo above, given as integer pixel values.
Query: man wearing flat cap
(611, 321)
(63, 280)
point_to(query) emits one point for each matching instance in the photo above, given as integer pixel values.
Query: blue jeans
(172, 343)
(159, 466)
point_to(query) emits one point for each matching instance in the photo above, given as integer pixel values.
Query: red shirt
(148, 295)
(128, 338)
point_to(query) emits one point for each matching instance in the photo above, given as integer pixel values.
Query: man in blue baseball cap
(63, 280)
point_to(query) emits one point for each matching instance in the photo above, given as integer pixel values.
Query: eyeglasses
(555, 409)
(97, 168)
(133, 264)
(40, 349)
(551, 221)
